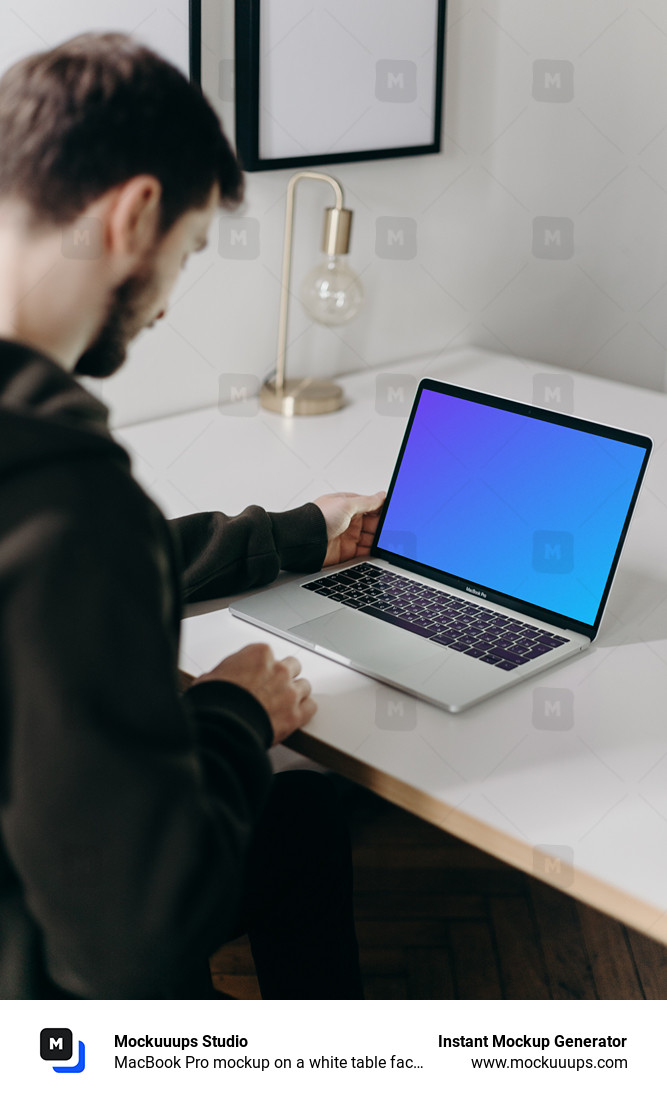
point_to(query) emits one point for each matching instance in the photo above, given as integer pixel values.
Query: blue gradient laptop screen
(531, 509)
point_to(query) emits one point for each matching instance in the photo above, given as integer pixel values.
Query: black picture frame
(195, 42)
(247, 79)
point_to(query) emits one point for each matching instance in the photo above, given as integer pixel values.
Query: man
(139, 828)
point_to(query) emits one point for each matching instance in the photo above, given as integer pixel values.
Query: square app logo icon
(394, 394)
(553, 708)
(553, 238)
(554, 391)
(553, 81)
(395, 81)
(227, 80)
(399, 542)
(394, 711)
(553, 551)
(55, 1044)
(239, 238)
(238, 395)
(82, 240)
(554, 861)
(395, 238)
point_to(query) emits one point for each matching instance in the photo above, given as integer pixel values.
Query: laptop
(493, 557)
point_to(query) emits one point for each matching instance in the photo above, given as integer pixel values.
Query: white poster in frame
(318, 82)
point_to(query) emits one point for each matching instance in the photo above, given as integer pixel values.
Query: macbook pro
(493, 557)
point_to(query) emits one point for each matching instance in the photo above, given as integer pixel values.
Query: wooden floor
(437, 918)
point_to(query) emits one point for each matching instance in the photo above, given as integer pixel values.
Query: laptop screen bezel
(535, 412)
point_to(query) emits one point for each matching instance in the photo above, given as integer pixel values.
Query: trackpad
(367, 642)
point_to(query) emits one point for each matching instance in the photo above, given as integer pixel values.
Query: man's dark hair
(97, 110)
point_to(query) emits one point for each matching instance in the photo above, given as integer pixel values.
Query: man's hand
(351, 521)
(285, 699)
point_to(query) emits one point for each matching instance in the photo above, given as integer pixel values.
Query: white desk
(594, 794)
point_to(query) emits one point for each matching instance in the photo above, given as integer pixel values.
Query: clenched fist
(286, 699)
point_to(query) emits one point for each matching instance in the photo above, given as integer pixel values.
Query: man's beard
(124, 321)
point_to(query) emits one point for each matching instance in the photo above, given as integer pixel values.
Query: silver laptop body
(493, 558)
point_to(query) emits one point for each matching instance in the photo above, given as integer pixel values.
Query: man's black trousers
(297, 906)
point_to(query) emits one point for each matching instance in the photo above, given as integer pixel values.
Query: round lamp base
(302, 397)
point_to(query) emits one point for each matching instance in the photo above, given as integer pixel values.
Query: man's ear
(134, 217)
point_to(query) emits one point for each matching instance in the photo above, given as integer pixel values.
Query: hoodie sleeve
(127, 809)
(223, 555)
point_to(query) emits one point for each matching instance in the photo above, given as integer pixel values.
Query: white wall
(591, 152)
(33, 25)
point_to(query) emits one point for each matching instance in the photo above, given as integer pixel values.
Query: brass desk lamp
(331, 293)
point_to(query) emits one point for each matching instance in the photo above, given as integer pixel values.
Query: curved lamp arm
(287, 260)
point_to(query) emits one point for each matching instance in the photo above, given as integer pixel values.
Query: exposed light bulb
(331, 292)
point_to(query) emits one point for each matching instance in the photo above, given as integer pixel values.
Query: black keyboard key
(504, 655)
(395, 620)
(506, 665)
(443, 639)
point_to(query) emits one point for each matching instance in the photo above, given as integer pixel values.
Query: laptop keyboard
(481, 633)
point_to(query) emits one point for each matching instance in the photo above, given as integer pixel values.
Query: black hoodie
(126, 809)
